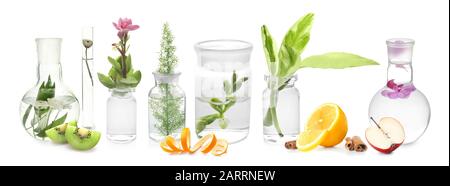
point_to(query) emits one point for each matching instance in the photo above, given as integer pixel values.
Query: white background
(354, 26)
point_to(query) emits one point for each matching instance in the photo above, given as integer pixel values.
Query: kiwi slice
(57, 134)
(81, 138)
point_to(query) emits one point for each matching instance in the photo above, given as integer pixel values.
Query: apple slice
(386, 136)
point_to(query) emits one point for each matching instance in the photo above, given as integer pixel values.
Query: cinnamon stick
(349, 144)
(291, 145)
(359, 144)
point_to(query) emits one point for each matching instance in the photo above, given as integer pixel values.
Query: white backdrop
(355, 26)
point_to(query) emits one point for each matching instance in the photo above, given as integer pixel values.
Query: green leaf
(130, 80)
(54, 123)
(128, 63)
(216, 104)
(49, 82)
(113, 74)
(270, 49)
(295, 37)
(27, 113)
(227, 87)
(200, 125)
(240, 82)
(46, 90)
(106, 81)
(294, 43)
(115, 63)
(138, 76)
(336, 60)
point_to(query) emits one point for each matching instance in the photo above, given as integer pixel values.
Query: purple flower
(124, 25)
(395, 91)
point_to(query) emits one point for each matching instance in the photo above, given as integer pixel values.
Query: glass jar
(121, 116)
(222, 89)
(282, 122)
(166, 107)
(49, 103)
(399, 98)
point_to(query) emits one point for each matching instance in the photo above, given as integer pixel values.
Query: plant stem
(123, 54)
(166, 110)
(273, 109)
(87, 66)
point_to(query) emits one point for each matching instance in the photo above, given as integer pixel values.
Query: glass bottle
(222, 103)
(87, 69)
(287, 99)
(50, 102)
(166, 111)
(400, 99)
(121, 115)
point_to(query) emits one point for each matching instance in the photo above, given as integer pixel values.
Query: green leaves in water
(40, 122)
(46, 90)
(221, 107)
(201, 124)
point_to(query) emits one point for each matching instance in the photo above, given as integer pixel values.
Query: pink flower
(398, 91)
(123, 26)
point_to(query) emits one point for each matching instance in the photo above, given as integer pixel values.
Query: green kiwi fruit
(81, 138)
(57, 134)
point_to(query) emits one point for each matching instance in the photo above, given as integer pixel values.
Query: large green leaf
(336, 60)
(270, 49)
(106, 81)
(298, 31)
(294, 43)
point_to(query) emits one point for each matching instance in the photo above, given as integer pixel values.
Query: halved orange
(331, 118)
(220, 148)
(186, 140)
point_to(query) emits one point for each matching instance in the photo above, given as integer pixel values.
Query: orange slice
(210, 141)
(220, 148)
(172, 143)
(186, 140)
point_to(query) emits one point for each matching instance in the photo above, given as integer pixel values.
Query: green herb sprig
(167, 110)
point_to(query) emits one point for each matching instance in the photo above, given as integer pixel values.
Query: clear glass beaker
(223, 89)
